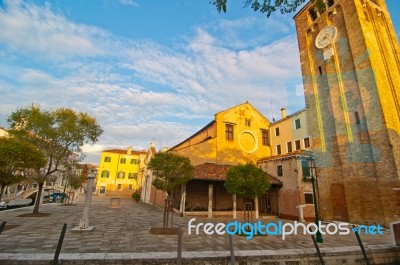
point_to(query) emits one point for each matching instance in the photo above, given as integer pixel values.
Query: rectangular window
(132, 176)
(297, 124)
(308, 198)
(357, 116)
(307, 142)
(278, 149)
(105, 174)
(305, 168)
(133, 161)
(119, 186)
(297, 144)
(229, 132)
(247, 122)
(276, 131)
(130, 187)
(123, 160)
(107, 159)
(102, 189)
(289, 147)
(279, 170)
(265, 137)
(121, 175)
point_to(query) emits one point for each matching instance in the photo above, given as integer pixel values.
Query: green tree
(247, 181)
(59, 134)
(270, 6)
(171, 170)
(17, 160)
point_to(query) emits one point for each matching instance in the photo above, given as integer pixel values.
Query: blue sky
(147, 69)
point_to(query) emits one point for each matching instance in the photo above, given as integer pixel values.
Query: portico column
(256, 207)
(210, 200)
(183, 199)
(234, 205)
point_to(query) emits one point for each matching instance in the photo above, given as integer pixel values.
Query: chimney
(129, 151)
(283, 113)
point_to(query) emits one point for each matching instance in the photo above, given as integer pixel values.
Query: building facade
(290, 133)
(350, 64)
(118, 172)
(237, 135)
(290, 163)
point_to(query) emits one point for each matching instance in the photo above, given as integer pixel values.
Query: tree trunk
(39, 195)
(3, 187)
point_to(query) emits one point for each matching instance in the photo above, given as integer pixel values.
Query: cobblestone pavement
(126, 230)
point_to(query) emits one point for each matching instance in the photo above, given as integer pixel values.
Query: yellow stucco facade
(290, 134)
(236, 135)
(118, 172)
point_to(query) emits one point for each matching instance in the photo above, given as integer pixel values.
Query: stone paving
(126, 230)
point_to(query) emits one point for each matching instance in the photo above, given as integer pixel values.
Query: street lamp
(312, 168)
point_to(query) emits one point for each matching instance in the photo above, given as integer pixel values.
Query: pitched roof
(212, 122)
(244, 103)
(212, 171)
(193, 135)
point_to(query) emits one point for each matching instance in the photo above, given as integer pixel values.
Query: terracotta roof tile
(211, 171)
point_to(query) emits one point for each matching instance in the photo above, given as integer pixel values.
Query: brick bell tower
(350, 60)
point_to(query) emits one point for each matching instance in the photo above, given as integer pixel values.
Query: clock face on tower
(325, 37)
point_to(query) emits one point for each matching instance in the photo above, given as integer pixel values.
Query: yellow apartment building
(290, 134)
(118, 172)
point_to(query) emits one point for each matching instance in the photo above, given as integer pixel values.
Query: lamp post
(312, 168)
(84, 222)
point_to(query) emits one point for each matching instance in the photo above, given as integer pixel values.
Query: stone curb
(156, 257)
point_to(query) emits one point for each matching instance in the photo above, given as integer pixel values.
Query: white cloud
(129, 3)
(30, 29)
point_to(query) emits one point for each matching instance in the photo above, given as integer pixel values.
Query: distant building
(118, 172)
(149, 192)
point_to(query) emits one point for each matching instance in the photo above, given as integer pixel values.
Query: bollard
(60, 241)
(361, 245)
(179, 245)
(317, 248)
(3, 224)
(231, 250)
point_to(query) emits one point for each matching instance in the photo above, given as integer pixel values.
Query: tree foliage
(17, 160)
(171, 170)
(246, 181)
(270, 6)
(58, 133)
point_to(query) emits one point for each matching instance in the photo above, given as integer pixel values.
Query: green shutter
(305, 168)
